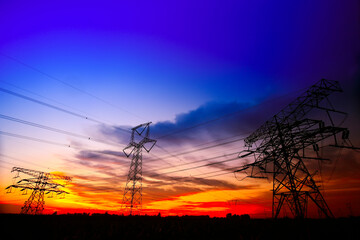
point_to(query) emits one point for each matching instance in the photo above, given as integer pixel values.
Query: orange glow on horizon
(255, 201)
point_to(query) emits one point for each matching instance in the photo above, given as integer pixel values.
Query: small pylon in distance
(41, 183)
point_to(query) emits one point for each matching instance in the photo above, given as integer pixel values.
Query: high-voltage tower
(40, 183)
(132, 198)
(278, 147)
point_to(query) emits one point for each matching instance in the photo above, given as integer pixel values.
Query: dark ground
(81, 226)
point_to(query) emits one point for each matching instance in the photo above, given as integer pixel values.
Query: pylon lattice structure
(41, 183)
(278, 147)
(132, 198)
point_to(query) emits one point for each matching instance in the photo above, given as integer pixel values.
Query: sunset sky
(205, 73)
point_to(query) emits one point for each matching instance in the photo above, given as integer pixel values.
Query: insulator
(345, 134)
(316, 147)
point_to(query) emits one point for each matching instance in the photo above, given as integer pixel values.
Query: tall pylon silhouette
(132, 198)
(282, 144)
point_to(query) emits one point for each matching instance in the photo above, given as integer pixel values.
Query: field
(82, 226)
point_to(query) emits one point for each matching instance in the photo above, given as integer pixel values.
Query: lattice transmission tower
(132, 198)
(278, 148)
(40, 183)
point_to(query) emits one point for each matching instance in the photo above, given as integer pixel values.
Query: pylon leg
(34, 204)
(299, 185)
(132, 198)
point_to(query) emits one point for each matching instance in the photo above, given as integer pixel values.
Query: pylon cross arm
(148, 144)
(129, 149)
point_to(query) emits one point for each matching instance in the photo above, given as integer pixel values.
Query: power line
(68, 84)
(197, 161)
(34, 139)
(55, 107)
(179, 152)
(221, 170)
(45, 141)
(201, 180)
(194, 150)
(208, 147)
(187, 152)
(54, 129)
(32, 163)
(24, 161)
(50, 99)
(218, 140)
(196, 167)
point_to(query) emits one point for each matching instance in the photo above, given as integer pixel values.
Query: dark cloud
(211, 121)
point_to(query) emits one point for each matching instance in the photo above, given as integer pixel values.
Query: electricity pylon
(278, 147)
(132, 198)
(41, 183)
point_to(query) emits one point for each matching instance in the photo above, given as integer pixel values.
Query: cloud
(210, 121)
(158, 192)
(105, 156)
(94, 165)
(92, 188)
(171, 185)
